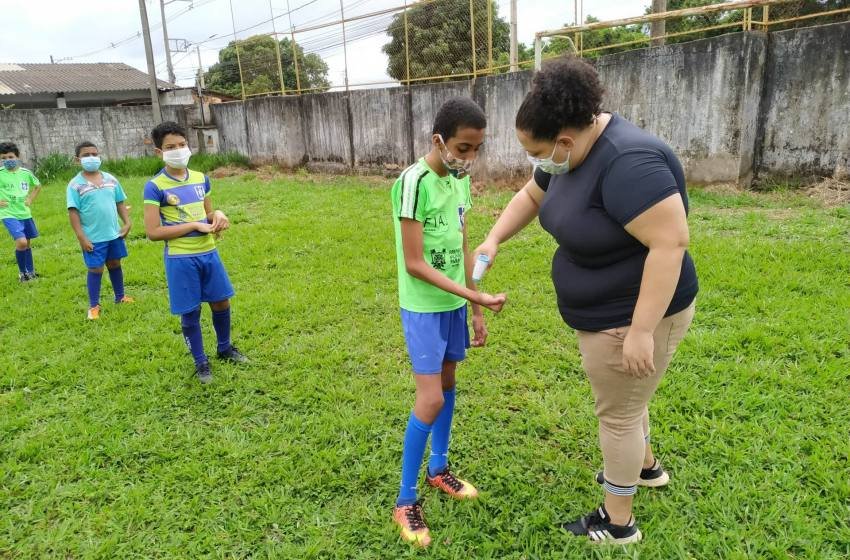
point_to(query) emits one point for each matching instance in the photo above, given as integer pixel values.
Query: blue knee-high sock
(21, 257)
(30, 266)
(221, 324)
(116, 276)
(191, 323)
(93, 280)
(440, 435)
(415, 439)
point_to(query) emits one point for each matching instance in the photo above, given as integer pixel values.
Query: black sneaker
(23, 277)
(653, 477)
(33, 275)
(233, 354)
(597, 526)
(203, 372)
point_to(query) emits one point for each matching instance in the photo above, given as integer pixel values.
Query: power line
(138, 34)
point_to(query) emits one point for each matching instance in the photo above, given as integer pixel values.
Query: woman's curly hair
(566, 92)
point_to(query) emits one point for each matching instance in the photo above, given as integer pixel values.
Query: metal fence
(442, 40)
(594, 39)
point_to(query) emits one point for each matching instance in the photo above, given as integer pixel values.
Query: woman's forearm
(660, 277)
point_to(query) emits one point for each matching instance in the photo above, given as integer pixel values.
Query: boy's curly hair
(164, 129)
(566, 92)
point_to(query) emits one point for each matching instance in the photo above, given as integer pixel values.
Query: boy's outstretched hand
(493, 303)
(479, 330)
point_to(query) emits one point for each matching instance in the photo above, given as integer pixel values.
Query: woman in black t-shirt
(614, 198)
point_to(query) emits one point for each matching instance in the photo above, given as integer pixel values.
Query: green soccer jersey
(441, 204)
(14, 189)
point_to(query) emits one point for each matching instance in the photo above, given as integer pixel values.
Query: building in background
(105, 84)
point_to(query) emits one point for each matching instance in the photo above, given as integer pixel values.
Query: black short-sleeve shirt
(598, 266)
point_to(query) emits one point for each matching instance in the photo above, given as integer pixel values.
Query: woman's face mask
(456, 166)
(548, 164)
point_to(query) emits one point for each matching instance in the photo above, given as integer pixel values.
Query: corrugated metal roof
(16, 79)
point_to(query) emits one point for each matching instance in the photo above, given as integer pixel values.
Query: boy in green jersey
(18, 189)
(430, 203)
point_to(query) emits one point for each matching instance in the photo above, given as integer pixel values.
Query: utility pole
(157, 113)
(171, 77)
(344, 44)
(514, 55)
(277, 49)
(657, 29)
(201, 85)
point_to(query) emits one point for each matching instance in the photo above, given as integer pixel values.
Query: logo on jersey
(461, 214)
(199, 190)
(438, 259)
(172, 199)
(25, 187)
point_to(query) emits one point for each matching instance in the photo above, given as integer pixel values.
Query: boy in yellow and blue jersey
(178, 211)
(95, 200)
(430, 203)
(18, 189)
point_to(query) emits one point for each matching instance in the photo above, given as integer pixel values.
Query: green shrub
(55, 167)
(61, 167)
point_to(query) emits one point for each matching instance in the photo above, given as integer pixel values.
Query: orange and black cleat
(452, 485)
(412, 523)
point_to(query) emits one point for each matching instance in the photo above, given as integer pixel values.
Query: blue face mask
(90, 163)
(10, 164)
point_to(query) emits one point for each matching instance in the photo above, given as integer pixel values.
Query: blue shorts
(196, 279)
(434, 338)
(105, 251)
(21, 228)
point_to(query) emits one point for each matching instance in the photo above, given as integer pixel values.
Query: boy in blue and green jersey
(430, 202)
(178, 211)
(18, 189)
(95, 200)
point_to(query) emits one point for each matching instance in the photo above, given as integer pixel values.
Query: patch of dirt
(721, 188)
(228, 171)
(830, 192)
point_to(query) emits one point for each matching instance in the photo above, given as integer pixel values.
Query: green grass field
(110, 449)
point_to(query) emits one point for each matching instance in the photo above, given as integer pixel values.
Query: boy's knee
(222, 305)
(432, 404)
(96, 270)
(192, 318)
(112, 265)
(21, 244)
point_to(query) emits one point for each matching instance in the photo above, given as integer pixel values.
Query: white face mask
(548, 165)
(178, 159)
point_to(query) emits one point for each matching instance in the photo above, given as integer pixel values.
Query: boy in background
(95, 200)
(18, 190)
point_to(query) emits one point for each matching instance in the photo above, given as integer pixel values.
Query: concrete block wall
(734, 108)
(274, 130)
(805, 109)
(694, 96)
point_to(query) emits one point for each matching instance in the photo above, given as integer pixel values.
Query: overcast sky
(84, 31)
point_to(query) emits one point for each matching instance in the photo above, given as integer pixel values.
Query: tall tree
(440, 35)
(258, 56)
